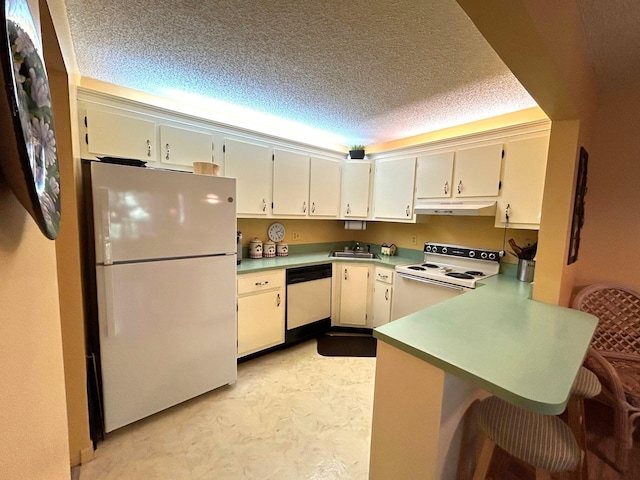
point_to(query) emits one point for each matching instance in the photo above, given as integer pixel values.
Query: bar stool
(543, 441)
(586, 385)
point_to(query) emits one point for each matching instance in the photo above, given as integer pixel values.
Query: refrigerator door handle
(105, 214)
(108, 302)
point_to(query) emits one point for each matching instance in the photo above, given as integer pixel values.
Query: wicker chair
(614, 355)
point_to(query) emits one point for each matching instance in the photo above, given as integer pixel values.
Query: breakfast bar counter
(433, 364)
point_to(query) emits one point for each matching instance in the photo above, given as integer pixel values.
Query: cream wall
(33, 416)
(610, 241)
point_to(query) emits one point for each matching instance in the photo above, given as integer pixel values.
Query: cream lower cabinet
(382, 296)
(261, 307)
(352, 287)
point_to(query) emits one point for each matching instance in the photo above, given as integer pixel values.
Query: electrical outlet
(414, 240)
(296, 235)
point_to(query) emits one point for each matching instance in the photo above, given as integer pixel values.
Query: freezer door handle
(105, 219)
(108, 302)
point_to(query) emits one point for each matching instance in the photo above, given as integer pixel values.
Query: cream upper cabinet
(523, 176)
(290, 183)
(324, 188)
(179, 146)
(351, 282)
(250, 164)
(476, 171)
(434, 175)
(393, 188)
(356, 179)
(120, 134)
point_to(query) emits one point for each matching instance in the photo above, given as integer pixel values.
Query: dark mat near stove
(339, 344)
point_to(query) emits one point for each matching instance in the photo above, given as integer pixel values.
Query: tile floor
(292, 414)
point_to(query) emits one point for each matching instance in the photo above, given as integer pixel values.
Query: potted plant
(356, 152)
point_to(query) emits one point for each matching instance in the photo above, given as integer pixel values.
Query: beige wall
(68, 251)
(33, 418)
(610, 243)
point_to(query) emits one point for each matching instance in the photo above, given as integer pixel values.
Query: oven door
(411, 294)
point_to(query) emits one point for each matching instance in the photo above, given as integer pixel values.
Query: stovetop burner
(454, 265)
(464, 276)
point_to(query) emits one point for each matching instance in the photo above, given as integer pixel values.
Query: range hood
(469, 208)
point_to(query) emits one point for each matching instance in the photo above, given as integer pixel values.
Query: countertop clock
(276, 232)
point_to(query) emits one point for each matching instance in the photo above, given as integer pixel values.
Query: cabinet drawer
(251, 283)
(384, 275)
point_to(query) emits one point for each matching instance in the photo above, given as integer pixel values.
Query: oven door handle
(432, 282)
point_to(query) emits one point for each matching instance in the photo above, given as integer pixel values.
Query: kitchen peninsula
(432, 365)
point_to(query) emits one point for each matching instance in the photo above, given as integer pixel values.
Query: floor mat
(341, 344)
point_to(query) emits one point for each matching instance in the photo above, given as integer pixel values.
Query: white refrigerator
(165, 245)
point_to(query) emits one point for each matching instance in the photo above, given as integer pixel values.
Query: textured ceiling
(362, 71)
(359, 71)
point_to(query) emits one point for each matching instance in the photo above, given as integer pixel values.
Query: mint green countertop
(313, 258)
(524, 351)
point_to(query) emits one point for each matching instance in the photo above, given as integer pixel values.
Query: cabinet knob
(278, 301)
(304, 207)
(386, 294)
(345, 274)
(408, 210)
(459, 187)
(264, 205)
(166, 147)
(446, 188)
(348, 209)
(148, 148)
(313, 207)
(260, 284)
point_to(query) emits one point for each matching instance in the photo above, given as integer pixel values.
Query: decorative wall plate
(28, 151)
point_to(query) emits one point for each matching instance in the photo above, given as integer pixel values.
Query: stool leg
(575, 420)
(484, 459)
(542, 474)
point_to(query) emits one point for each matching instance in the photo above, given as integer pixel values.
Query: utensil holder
(526, 269)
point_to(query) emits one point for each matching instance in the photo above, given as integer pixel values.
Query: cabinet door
(120, 135)
(324, 188)
(381, 303)
(179, 146)
(393, 188)
(260, 321)
(353, 294)
(290, 183)
(355, 189)
(434, 175)
(250, 165)
(477, 171)
(525, 164)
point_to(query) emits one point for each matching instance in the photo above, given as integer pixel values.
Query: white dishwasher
(308, 312)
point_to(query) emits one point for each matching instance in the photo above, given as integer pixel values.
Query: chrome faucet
(357, 247)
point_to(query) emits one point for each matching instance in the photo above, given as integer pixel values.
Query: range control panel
(463, 252)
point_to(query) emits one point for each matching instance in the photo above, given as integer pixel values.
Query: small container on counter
(269, 249)
(388, 249)
(255, 248)
(282, 249)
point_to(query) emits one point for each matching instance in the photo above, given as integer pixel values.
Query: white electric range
(446, 271)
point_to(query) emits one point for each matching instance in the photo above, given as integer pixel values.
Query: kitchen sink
(353, 254)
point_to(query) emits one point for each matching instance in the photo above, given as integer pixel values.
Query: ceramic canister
(255, 248)
(282, 249)
(269, 249)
